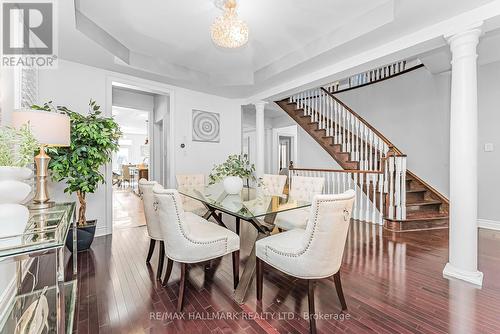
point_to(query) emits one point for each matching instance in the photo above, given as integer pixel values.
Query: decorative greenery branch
(93, 140)
(17, 146)
(235, 165)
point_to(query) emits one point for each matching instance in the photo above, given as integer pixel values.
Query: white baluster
(361, 191)
(356, 200)
(374, 198)
(367, 198)
(370, 156)
(344, 182)
(403, 187)
(381, 198)
(330, 114)
(397, 186)
(391, 186)
(365, 163)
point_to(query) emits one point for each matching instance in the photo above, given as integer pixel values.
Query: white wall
(489, 132)
(161, 134)
(199, 157)
(133, 100)
(135, 149)
(413, 112)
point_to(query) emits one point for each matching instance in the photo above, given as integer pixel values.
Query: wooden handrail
(380, 135)
(357, 171)
(379, 80)
(367, 83)
(353, 171)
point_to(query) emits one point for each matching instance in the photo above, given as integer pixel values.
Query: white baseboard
(474, 277)
(103, 230)
(489, 224)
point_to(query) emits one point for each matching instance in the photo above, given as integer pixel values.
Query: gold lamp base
(41, 199)
(40, 206)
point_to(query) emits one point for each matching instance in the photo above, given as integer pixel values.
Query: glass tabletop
(21, 304)
(46, 229)
(250, 203)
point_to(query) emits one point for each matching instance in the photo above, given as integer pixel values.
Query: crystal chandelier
(229, 31)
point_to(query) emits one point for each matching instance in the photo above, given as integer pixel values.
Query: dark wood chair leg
(160, 260)
(236, 268)
(237, 226)
(312, 312)
(170, 264)
(340, 292)
(260, 276)
(152, 243)
(182, 288)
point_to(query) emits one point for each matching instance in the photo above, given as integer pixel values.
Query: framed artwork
(206, 126)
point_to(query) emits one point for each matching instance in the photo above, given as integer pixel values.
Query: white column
(463, 158)
(259, 138)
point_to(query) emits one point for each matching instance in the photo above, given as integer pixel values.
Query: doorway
(133, 113)
(284, 152)
(141, 154)
(284, 148)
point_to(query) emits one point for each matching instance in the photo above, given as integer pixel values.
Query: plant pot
(233, 185)
(84, 236)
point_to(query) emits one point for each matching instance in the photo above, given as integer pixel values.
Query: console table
(45, 233)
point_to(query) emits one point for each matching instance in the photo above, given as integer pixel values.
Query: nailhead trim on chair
(310, 239)
(184, 233)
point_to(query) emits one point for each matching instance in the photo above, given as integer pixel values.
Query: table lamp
(50, 129)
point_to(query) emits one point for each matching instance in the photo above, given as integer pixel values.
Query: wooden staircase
(356, 146)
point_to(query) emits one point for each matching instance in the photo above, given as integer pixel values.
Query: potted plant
(93, 140)
(17, 147)
(232, 172)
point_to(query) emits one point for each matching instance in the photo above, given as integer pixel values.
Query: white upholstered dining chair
(152, 223)
(192, 181)
(273, 185)
(313, 253)
(191, 239)
(303, 188)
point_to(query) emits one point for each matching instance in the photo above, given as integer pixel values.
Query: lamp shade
(49, 128)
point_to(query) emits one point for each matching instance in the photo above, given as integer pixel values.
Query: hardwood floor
(127, 209)
(392, 283)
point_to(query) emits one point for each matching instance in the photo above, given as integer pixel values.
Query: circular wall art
(206, 126)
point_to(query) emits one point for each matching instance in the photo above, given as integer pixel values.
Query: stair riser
(422, 225)
(422, 208)
(415, 197)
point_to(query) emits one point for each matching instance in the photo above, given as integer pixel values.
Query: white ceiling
(178, 31)
(169, 41)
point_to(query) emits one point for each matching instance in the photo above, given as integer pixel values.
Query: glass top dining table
(250, 204)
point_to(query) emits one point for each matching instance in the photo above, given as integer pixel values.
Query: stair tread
(416, 190)
(426, 202)
(421, 216)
